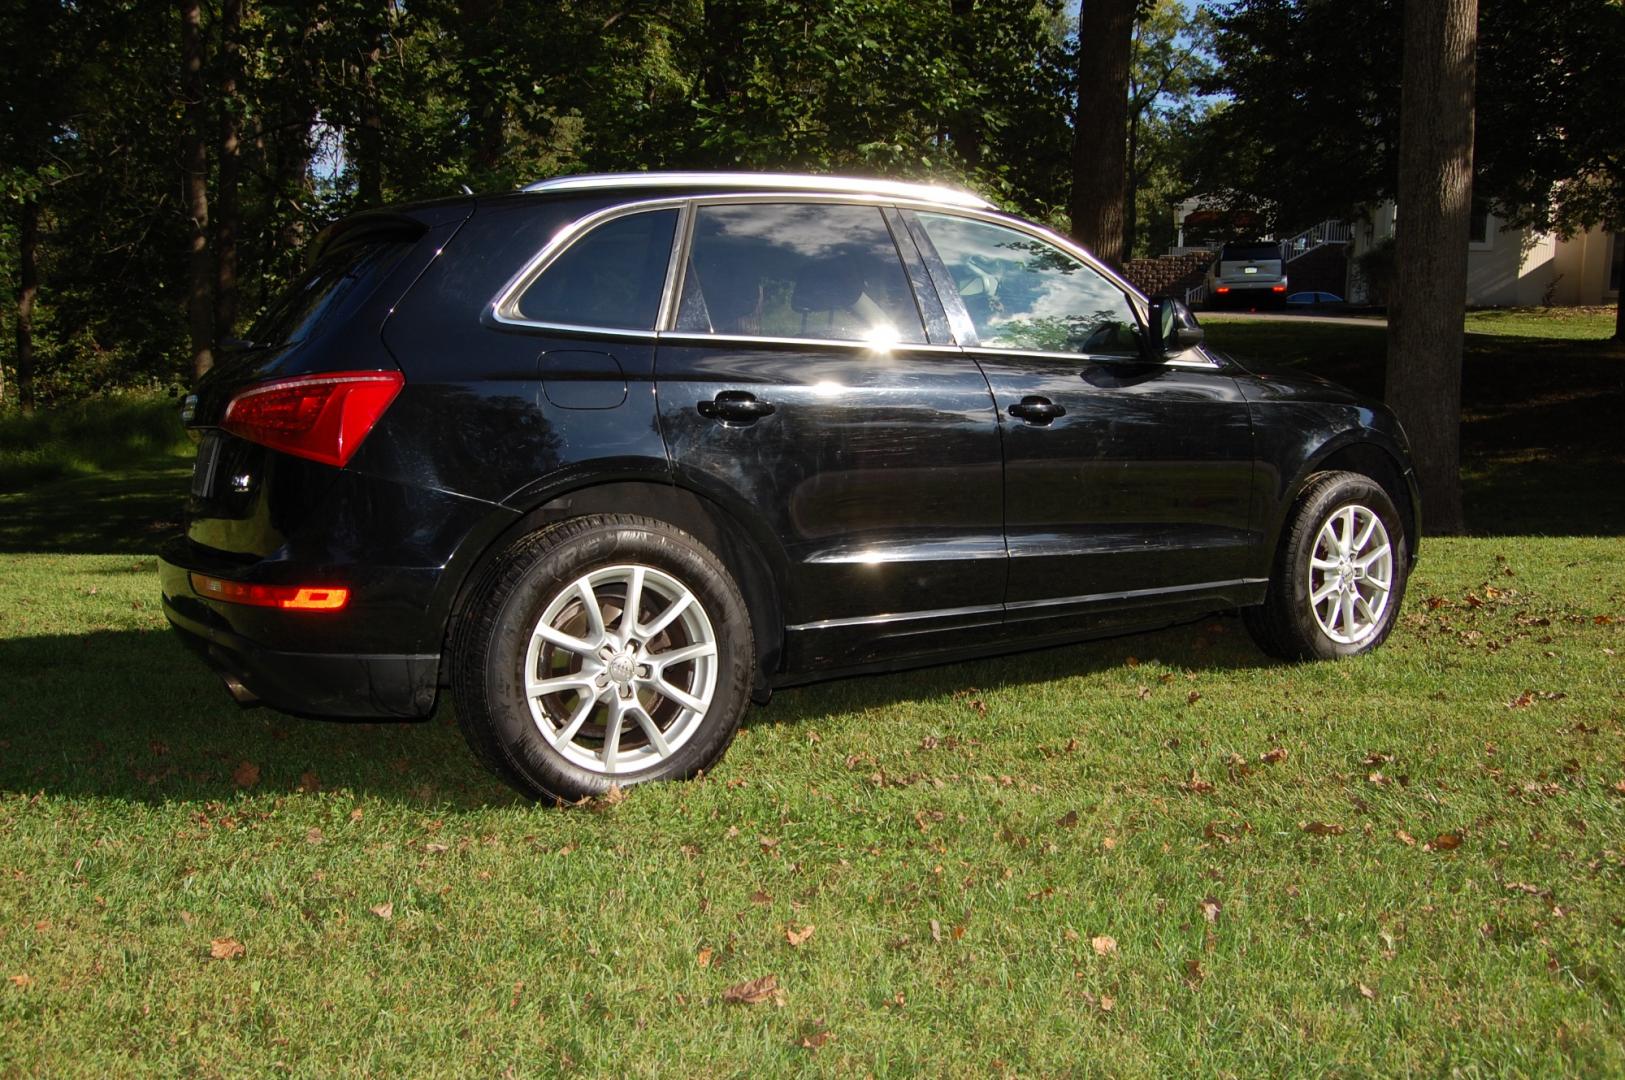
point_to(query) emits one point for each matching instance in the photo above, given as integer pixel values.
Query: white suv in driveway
(1249, 274)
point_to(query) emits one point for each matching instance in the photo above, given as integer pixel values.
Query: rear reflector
(1223, 289)
(1277, 288)
(290, 597)
(321, 417)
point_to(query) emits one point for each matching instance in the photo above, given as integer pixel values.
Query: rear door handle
(1036, 410)
(737, 406)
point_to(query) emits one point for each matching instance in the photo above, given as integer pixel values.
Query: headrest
(828, 285)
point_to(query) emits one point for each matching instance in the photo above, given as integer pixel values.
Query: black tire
(1285, 625)
(494, 637)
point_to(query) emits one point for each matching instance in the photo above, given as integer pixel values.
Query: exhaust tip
(241, 694)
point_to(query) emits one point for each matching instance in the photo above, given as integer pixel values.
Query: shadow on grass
(133, 715)
(129, 511)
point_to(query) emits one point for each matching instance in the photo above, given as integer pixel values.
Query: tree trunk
(1619, 311)
(370, 138)
(1100, 128)
(1429, 302)
(1131, 188)
(27, 293)
(195, 158)
(226, 209)
(965, 125)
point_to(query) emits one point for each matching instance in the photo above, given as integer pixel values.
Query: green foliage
(87, 437)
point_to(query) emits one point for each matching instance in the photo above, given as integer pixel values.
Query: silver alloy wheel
(1351, 574)
(621, 669)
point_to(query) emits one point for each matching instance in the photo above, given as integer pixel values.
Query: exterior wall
(1512, 267)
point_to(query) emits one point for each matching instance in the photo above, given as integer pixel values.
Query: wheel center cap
(621, 668)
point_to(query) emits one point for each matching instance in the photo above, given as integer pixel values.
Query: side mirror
(1174, 325)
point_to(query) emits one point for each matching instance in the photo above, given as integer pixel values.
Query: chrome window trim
(505, 308)
(689, 337)
(1095, 358)
(765, 182)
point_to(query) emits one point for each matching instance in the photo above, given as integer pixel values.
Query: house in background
(1513, 266)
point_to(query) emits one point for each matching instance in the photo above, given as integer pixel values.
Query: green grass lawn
(1163, 854)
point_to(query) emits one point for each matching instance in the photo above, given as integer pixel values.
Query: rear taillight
(290, 597)
(1277, 288)
(321, 417)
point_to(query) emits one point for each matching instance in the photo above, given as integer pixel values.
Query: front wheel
(609, 650)
(1339, 575)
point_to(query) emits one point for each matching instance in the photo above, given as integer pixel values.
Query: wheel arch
(1369, 457)
(758, 564)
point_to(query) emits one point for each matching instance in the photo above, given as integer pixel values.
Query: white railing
(1327, 232)
(1197, 294)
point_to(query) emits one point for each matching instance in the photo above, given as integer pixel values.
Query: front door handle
(737, 406)
(1036, 410)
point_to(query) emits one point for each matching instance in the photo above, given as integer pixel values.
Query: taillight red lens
(1277, 288)
(1224, 289)
(292, 597)
(321, 417)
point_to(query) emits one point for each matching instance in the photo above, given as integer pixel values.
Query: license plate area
(206, 465)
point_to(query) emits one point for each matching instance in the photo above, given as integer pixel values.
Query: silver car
(1251, 274)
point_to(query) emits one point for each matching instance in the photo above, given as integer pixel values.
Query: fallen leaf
(1273, 755)
(1444, 842)
(1107, 1004)
(1103, 945)
(313, 835)
(1404, 838)
(308, 783)
(704, 958)
(936, 931)
(1196, 785)
(1210, 909)
(1522, 701)
(1132, 661)
(1109, 843)
(21, 980)
(1068, 820)
(1376, 758)
(1366, 992)
(815, 1040)
(386, 910)
(760, 897)
(753, 991)
(1321, 828)
(1193, 972)
(355, 815)
(246, 774)
(434, 849)
(768, 842)
(226, 948)
(797, 938)
(1193, 697)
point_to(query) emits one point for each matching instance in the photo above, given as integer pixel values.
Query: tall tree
(1436, 196)
(194, 176)
(227, 209)
(1171, 55)
(1100, 126)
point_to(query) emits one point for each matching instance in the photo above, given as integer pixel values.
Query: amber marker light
(287, 597)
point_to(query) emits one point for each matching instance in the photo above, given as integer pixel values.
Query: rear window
(1250, 252)
(612, 277)
(338, 273)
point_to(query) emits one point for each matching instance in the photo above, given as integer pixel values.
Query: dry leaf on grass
(246, 774)
(797, 938)
(21, 981)
(1193, 972)
(386, 910)
(1321, 828)
(1273, 755)
(1211, 908)
(704, 958)
(815, 1040)
(313, 835)
(308, 783)
(752, 992)
(1068, 820)
(1366, 992)
(1103, 944)
(1404, 838)
(226, 948)
(1196, 785)
(1443, 842)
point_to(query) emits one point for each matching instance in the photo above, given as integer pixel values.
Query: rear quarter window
(612, 277)
(343, 271)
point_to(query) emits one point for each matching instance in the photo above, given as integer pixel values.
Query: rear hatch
(257, 470)
(1247, 264)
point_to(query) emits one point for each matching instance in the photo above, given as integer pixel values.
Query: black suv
(612, 456)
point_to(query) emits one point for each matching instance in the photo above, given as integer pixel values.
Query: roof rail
(748, 181)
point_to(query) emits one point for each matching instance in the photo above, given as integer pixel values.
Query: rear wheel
(607, 650)
(1339, 576)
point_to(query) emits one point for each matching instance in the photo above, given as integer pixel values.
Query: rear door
(1127, 480)
(803, 385)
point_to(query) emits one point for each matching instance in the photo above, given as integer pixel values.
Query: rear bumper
(329, 684)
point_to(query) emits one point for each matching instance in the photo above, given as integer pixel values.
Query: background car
(1248, 274)
(611, 457)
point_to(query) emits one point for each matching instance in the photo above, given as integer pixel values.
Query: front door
(1127, 479)
(799, 388)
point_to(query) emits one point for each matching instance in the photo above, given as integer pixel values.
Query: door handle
(737, 406)
(1036, 410)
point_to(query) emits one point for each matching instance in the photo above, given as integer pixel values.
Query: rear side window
(797, 270)
(339, 273)
(1250, 253)
(612, 277)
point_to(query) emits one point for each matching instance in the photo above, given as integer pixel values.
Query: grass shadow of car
(131, 715)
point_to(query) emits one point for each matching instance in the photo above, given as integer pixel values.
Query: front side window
(1023, 293)
(612, 277)
(797, 270)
